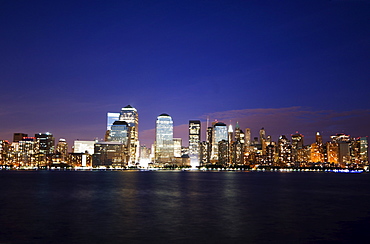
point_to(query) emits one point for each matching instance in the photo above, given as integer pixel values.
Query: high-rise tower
(194, 141)
(119, 132)
(219, 133)
(164, 139)
(131, 117)
(46, 143)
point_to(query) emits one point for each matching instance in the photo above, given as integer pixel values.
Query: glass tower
(45, 143)
(164, 139)
(118, 132)
(219, 134)
(194, 141)
(129, 115)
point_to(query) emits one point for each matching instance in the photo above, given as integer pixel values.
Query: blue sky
(65, 64)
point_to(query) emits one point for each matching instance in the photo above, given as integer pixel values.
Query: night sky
(286, 66)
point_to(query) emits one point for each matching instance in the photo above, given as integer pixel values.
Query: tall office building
(297, 144)
(297, 140)
(119, 132)
(284, 150)
(45, 142)
(364, 157)
(230, 134)
(164, 151)
(62, 149)
(237, 132)
(262, 135)
(248, 137)
(318, 138)
(332, 152)
(219, 133)
(262, 140)
(4, 148)
(177, 147)
(27, 150)
(194, 141)
(343, 141)
(131, 117)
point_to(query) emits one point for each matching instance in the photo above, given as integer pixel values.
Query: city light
(225, 148)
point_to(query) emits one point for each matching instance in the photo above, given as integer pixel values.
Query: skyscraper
(364, 157)
(177, 145)
(297, 144)
(164, 152)
(219, 133)
(62, 149)
(46, 143)
(230, 134)
(247, 137)
(131, 117)
(194, 141)
(284, 150)
(119, 132)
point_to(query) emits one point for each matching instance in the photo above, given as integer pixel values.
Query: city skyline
(182, 131)
(223, 146)
(286, 66)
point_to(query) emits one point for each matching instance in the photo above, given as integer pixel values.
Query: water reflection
(181, 207)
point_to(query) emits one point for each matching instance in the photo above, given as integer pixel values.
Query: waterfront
(183, 207)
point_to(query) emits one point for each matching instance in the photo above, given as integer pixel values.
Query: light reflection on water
(182, 207)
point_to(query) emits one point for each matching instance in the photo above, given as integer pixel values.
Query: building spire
(230, 128)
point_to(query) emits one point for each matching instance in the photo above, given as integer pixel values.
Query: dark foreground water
(183, 207)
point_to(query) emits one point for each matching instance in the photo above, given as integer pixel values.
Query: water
(183, 207)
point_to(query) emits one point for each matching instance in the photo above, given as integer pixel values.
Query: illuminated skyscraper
(223, 153)
(45, 143)
(164, 152)
(318, 138)
(364, 157)
(247, 137)
(209, 141)
(4, 147)
(194, 141)
(177, 145)
(297, 144)
(262, 135)
(219, 134)
(27, 150)
(332, 152)
(317, 152)
(262, 140)
(62, 149)
(343, 141)
(284, 150)
(131, 117)
(238, 133)
(119, 132)
(230, 137)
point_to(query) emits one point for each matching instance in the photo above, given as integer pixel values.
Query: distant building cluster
(224, 147)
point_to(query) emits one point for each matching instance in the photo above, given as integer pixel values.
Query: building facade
(164, 148)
